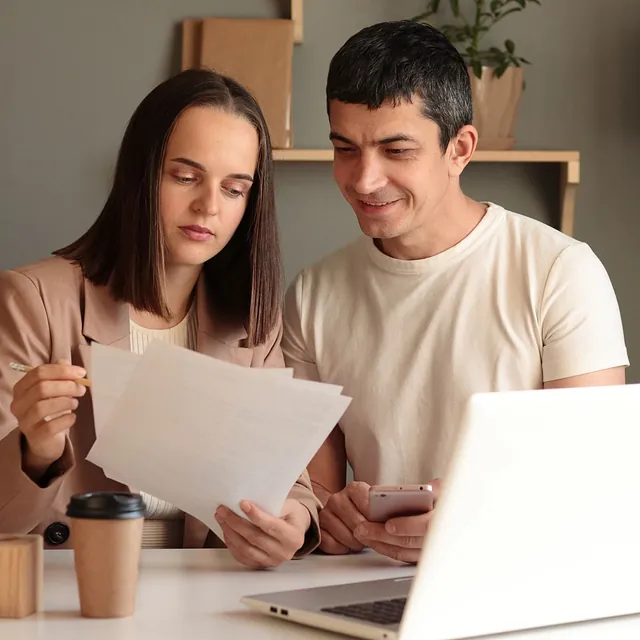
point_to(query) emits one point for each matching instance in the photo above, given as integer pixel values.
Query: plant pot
(495, 106)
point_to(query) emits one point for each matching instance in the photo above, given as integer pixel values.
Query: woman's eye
(184, 179)
(235, 193)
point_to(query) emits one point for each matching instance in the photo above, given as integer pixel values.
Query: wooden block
(21, 569)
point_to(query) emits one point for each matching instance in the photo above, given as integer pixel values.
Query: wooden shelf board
(516, 155)
(524, 155)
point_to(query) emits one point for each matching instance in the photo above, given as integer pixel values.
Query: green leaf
(477, 69)
(495, 5)
(510, 46)
(455, 7)
(499, 71)
(522, 3)
(506, 13)
(435, 5)
(523, 60)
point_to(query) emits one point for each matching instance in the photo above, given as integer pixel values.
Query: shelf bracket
(570, 179)
(298, 22)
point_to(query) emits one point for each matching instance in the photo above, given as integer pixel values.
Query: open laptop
(538, 525)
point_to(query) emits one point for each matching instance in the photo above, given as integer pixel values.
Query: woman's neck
(179, 285)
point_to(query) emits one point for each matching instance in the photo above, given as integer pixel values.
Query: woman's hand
(44, 401)
(264, 540)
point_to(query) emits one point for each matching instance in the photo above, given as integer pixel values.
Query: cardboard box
(256, 53)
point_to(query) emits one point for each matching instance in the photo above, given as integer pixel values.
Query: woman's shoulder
(50, 276)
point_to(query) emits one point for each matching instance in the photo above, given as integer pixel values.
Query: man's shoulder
(533, 244)
(526, 231)
(337, 264)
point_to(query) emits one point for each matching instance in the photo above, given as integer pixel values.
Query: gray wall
(72, 72)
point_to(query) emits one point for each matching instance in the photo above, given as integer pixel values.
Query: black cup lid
(106, 506)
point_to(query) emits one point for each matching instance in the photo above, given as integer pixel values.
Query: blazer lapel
(105, 321)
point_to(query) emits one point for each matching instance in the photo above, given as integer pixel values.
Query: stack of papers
(198, 432)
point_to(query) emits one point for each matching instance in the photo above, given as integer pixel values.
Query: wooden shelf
(518, 155)
(303, 155)
(569, 162)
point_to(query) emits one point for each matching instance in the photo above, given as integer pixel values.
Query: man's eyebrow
(396, 137)
(336, 136)
(197, 165)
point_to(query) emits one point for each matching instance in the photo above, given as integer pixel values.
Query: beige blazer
(49, 311)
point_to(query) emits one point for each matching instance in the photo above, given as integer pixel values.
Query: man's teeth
(377, 204)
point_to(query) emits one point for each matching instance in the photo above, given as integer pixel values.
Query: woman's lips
(197, 233)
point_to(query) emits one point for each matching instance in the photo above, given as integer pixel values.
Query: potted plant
(497, 76)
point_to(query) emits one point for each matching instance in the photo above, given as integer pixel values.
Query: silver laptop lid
(539, 522)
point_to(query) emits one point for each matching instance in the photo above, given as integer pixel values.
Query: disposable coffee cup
(106, 531)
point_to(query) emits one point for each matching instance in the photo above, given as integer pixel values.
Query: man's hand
(398, 538)
(264, 540)
(342, 514)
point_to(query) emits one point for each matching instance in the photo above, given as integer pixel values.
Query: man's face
(389, 166)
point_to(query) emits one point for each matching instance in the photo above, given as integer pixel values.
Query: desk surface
(191, 594)
(196, 594)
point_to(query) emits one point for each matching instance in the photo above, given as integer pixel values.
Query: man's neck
(179, 285)
(450, 224)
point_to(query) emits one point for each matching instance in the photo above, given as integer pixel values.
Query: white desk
(195, 594)
(191, 594)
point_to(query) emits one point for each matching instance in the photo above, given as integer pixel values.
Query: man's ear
(461, 148)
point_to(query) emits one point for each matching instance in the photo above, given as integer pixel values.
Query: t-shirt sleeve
(297, 351)
(581, 324)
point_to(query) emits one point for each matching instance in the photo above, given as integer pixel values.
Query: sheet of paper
(199, 432)
(111, 370)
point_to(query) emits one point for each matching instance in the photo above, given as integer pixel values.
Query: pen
(25, 368)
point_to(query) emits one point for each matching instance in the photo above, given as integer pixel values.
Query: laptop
(538, 525)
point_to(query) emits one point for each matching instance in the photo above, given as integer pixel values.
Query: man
(441, 298)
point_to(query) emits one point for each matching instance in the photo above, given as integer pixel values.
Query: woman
(186, 251)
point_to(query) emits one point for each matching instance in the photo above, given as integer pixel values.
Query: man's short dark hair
(395, 61)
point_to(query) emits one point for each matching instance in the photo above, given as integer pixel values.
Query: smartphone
(399, 501)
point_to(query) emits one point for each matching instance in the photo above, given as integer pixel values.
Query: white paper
(198, 432)
(111, 370)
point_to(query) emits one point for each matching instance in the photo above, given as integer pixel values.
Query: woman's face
(207, 175)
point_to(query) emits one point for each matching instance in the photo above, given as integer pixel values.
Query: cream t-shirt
(514, 304)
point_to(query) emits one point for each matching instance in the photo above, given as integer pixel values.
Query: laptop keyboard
(383, 612)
